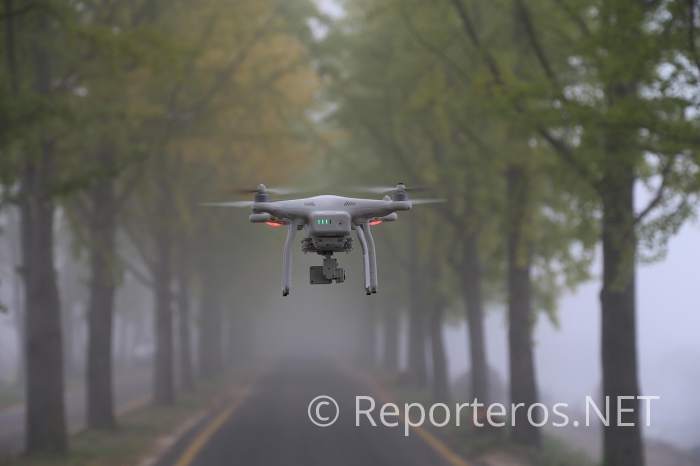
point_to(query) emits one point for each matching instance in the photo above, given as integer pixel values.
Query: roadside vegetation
(141, 431)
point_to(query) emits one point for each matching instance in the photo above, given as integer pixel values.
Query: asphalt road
(270, 427)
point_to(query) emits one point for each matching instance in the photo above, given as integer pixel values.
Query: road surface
(270, 427)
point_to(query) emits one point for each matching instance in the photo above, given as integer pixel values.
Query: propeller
(260, 193)
(281, 191)
(427, 201)
(389, 189)
(240, 204)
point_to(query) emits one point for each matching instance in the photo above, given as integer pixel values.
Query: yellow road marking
(438, 446)
(205, 435)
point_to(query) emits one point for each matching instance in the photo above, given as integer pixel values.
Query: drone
(327, 222)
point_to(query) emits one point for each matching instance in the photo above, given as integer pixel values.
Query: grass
(556, 453)
(134, 439)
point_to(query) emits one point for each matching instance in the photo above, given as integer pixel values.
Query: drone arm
(365, 258)
(372, 257)
(287, 258)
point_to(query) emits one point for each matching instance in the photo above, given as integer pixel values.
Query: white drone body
(328, 222)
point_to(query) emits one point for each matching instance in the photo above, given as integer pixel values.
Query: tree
(38, 175)
(617, 121)
(404, 105)
(419, 111)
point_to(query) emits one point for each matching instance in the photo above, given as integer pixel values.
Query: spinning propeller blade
(427, 201)
(239, 204)
(389, 189)
(281, 191)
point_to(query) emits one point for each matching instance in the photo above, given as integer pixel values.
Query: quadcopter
(327, 222)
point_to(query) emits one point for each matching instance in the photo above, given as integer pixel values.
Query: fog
(323, 321)
(568, 361)
(511, 166)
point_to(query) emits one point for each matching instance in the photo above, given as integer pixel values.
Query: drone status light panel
(330, 223)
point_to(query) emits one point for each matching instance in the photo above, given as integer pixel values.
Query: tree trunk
(102, 224)
(185, 333)
(164, 377)
(622, 446)
(10, 46)
(45, 415)
(164, 386)
(441, 391)
(14, 241)
(13, 78)
(210, 335)
(417, 361)
(391, 339)
(475, 319)
(523, 385)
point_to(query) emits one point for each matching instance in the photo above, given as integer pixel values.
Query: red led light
(274, 224)
(375, 222)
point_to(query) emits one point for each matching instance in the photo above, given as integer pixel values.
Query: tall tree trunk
(391, 339)
(45, 416)
(13, 78)
(475, 319)
(14, 241)
(102, 225)
(417, 362)
(622, 446)
(184, 322)
(523, 385)
(441, 391)
(10, 46)
(164, 376)
(210, 335)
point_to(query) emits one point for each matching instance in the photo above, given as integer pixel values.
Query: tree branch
(583, 27)
(18, 11)
(563, 150)
(225, 75)
(470, 31)
(660, 192)
(534, 40)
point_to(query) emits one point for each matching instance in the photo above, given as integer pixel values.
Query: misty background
(562, 135)
(311, 321)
